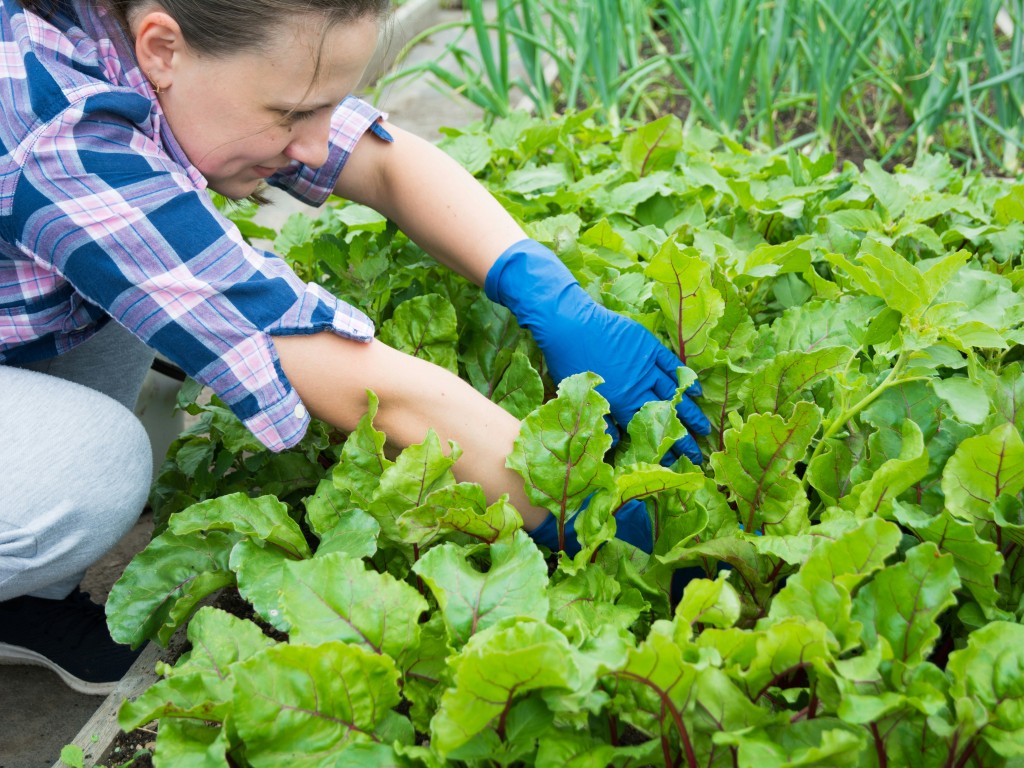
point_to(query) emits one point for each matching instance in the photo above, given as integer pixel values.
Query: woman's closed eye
(298, 116)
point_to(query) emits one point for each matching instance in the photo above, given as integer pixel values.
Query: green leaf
(690, 304)
(784, 647)
(199, 686)
(418, 471)
(822, 742)
(875, 496)
(653, 146)
(163, 584)
(182, 742)
(72, 756)
(978, 562)
(265, 519)
(713, 603)
(463, 509)
(362, 463)
(425, 327)
(902, 603)
(334, 597)
(496, 667)
(776, 386)
(520, 389)
(820, 324)
(560, 448)
(513, 586)
(655, 687)
(587, 601)
(967, 399)
(989, 673)
(355, 535)
(652, 431)
(982, 469)
(305, 706)
(821, 590)
(259, 574)
(757, 467)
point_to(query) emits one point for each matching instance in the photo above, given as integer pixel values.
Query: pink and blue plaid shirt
(102, 216)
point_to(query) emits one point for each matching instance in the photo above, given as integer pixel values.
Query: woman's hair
(223, 27)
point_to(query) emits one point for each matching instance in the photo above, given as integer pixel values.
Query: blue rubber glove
(632, 525)
(577, 334)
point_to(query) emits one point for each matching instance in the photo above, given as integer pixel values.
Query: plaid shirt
(102, 216)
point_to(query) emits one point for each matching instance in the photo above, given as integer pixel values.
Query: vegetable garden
(840, 583)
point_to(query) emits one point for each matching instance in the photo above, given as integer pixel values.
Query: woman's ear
(159, 45)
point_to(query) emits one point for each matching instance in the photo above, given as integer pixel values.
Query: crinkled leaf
(757, 467)
(902, 603)
(875, 496)
(656, 684)
(829, 472)
(181, 742)
(304, 706)
(335, 597)
(652, 431)
(425, 326)
(513, 586)
(989, 672)
(981, 470)
(776, 386)
(784, 647)
(589, 600)
(264, 518)
(199, 685)
(355, 534)
(424, 668)
(821, 590)
(495, 668)
(418, 471)
(978, 562)
(362, 461)
(162, 585)
(460, 508)
(822, 742)
(819, 324)
(714, 603)
(560, 449)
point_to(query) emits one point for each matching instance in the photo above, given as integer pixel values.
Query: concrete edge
(96, 738)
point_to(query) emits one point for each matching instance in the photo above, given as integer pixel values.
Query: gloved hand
(632, 525)
(577, 334)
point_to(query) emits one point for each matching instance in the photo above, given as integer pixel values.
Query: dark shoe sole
(14, 655)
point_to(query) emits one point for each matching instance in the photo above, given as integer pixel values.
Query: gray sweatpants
(75, 462)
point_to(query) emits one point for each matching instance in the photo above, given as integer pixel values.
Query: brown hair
(223, 27)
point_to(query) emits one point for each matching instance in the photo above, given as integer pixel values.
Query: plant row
(841, 583)
(892, 79)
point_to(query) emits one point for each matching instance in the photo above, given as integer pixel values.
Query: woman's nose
(309, 143)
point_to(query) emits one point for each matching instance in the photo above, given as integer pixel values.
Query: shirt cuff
(351, 120)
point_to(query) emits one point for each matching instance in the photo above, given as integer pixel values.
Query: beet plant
(841, 583)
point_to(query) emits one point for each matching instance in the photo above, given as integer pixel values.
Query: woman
(117, 117)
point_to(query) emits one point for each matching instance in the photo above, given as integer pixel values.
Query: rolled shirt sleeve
(350, 122)
(99, 204)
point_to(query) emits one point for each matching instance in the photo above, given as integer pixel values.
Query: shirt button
(300, 411)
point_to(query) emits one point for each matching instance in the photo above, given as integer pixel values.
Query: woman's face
(230, 114)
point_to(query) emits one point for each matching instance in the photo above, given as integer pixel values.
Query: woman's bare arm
(332, 374)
